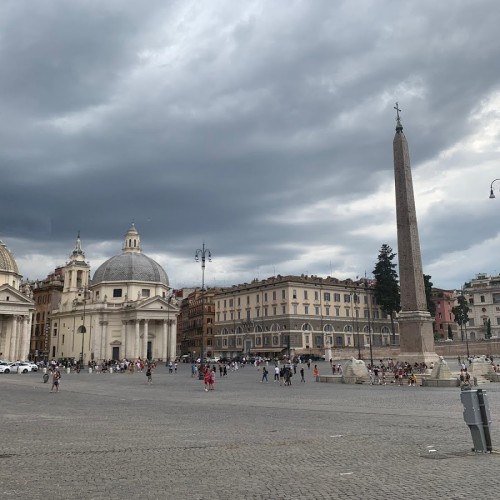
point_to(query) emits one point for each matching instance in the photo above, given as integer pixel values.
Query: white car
(5, 368)
(25, 367)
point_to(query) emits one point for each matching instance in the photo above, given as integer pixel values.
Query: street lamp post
(369, 323)
(203, 254)
(82, 328)
(353, 301)
(492, 195)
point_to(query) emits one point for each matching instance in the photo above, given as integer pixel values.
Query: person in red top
(206, 378)
(211, 382)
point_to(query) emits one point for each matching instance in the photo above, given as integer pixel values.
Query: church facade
(124, 311)
(16, 310)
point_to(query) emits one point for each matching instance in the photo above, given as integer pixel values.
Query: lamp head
(492, 195)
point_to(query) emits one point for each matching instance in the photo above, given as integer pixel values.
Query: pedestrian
(149, 375)
(176, 365)
(302, 379)
(264, 374)
(211, 382)
(282, 376)
(206, 378)
(276, 373)
(316, 373)
(56, 378)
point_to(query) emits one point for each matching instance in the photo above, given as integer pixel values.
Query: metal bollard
(477, 417)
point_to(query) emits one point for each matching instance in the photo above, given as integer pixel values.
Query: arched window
(306, 327)
(347, 328)
(239, 330)
(225, 331)
(258, 328)
(385, 330)
(328, 328)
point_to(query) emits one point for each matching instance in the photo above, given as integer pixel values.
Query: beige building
(483, 296)
(46, 295)
(297, 315)
(124, 312)
(16, 309)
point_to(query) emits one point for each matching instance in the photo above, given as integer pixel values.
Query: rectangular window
(239, 314)
(117, 292)
(232, 316)
(248, 300)
(498, 321)
(482, 298)
(326, 296)
(225, 317)
(248, 315)
(318, 340)
(336, 297)
(294, 294)
(265, 296)
(327, 311)
(306, 309)
(347, 311)
(224, 342)
(257, 298)
(295, 309)
(62, 341)
(266, 340)
(225, 303)
(258, 313)
(230, 302)
(274, 311)
(347, 298)
(274, 295)
(283, 294)
(257, 341)
(145, 292)
(316, 295)
(283, 309)
(265, 311)
(316, 311)
(218, 317)
(305, 294)
(337, 311)
(471, 321)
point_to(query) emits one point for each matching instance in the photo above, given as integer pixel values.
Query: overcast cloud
(263, 128)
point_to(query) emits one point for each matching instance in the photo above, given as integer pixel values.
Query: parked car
(4, 368)
(25, 367)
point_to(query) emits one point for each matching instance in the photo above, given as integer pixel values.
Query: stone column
(25, 339)
(172, 339)
(145, 340)
(165, 340)
(137, 338)
(13, 339)
(123, 350)
(104, 339)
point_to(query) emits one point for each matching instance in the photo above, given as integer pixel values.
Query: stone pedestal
(441, 376)
(416, 337)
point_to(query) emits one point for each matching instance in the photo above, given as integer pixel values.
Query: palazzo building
(293, 315)
(125, 311)
(16, 309)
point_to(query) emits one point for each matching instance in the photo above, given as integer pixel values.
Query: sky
(262, 129)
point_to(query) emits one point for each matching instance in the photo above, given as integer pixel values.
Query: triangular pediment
(157, 304)
(10, 295)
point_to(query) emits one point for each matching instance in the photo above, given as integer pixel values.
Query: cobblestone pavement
(113, 436)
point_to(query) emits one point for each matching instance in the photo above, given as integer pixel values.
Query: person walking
(276, 373)
(149, 375)
(56, 377)
(302, 379)
(264, 374)
(316, 373)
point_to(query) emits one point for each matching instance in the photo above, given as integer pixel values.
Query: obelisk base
(416, 337)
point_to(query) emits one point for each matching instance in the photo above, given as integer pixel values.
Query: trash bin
(477, 417)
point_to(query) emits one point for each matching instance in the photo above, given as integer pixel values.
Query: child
(148, 374)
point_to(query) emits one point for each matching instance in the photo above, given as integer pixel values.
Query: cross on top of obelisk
(399, 127)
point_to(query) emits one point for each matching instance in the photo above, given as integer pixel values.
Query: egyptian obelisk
(416, 338)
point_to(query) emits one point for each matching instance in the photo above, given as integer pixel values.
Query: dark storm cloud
(234, 123)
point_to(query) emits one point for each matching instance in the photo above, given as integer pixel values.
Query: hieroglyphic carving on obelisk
(416, 337)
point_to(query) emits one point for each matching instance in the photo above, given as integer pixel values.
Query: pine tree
(431, 306)
(387, 284)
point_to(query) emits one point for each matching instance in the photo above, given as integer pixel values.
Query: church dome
(131, 265)
(7, 261)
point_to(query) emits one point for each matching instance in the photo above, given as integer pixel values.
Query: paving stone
(113, 436)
